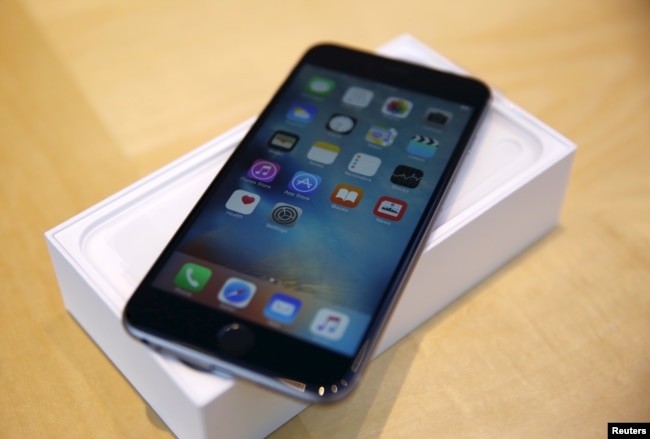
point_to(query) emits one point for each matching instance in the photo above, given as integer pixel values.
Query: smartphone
(287, 269)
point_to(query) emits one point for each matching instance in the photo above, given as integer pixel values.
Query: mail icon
(282, 308)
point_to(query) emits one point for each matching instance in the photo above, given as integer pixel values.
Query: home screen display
(303, 234)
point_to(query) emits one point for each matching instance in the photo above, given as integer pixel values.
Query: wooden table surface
(95, 94)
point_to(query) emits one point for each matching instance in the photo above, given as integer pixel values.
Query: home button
(235, 339)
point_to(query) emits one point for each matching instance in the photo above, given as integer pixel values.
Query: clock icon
(340, 123)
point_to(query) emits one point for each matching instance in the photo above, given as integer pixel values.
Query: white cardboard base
(508, 195)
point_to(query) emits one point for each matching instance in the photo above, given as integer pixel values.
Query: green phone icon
(192, 277)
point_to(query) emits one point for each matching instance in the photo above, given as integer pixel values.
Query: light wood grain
(97, 93)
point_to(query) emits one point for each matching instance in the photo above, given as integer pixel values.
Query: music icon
(329, 324)
(263, 170)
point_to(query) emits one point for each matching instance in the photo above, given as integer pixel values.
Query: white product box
(508, 195)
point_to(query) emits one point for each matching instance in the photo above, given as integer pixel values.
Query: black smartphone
(287, 269)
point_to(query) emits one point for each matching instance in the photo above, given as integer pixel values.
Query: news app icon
(329, 324)
(390, 208)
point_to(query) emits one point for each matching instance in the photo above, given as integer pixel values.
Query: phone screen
(304, 235)
(308, 228)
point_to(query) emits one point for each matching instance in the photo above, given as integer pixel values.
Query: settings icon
(285, 214)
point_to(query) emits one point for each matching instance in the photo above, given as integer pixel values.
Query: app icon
(406, 176)
(319, 86)
(237, 292)
(381, 135)
(283, 140)
(329, 324)
(263, 170)
(422, 146)
(304, 182)
(346, 195)
(364, 164)
(302, 113)
(282, 308)
(192, 277)
(324, 153)
(390, 208)
(243, 202)
(357, 97)
(437, 118)
(341, 123)
(397, 107)
(285, 214)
